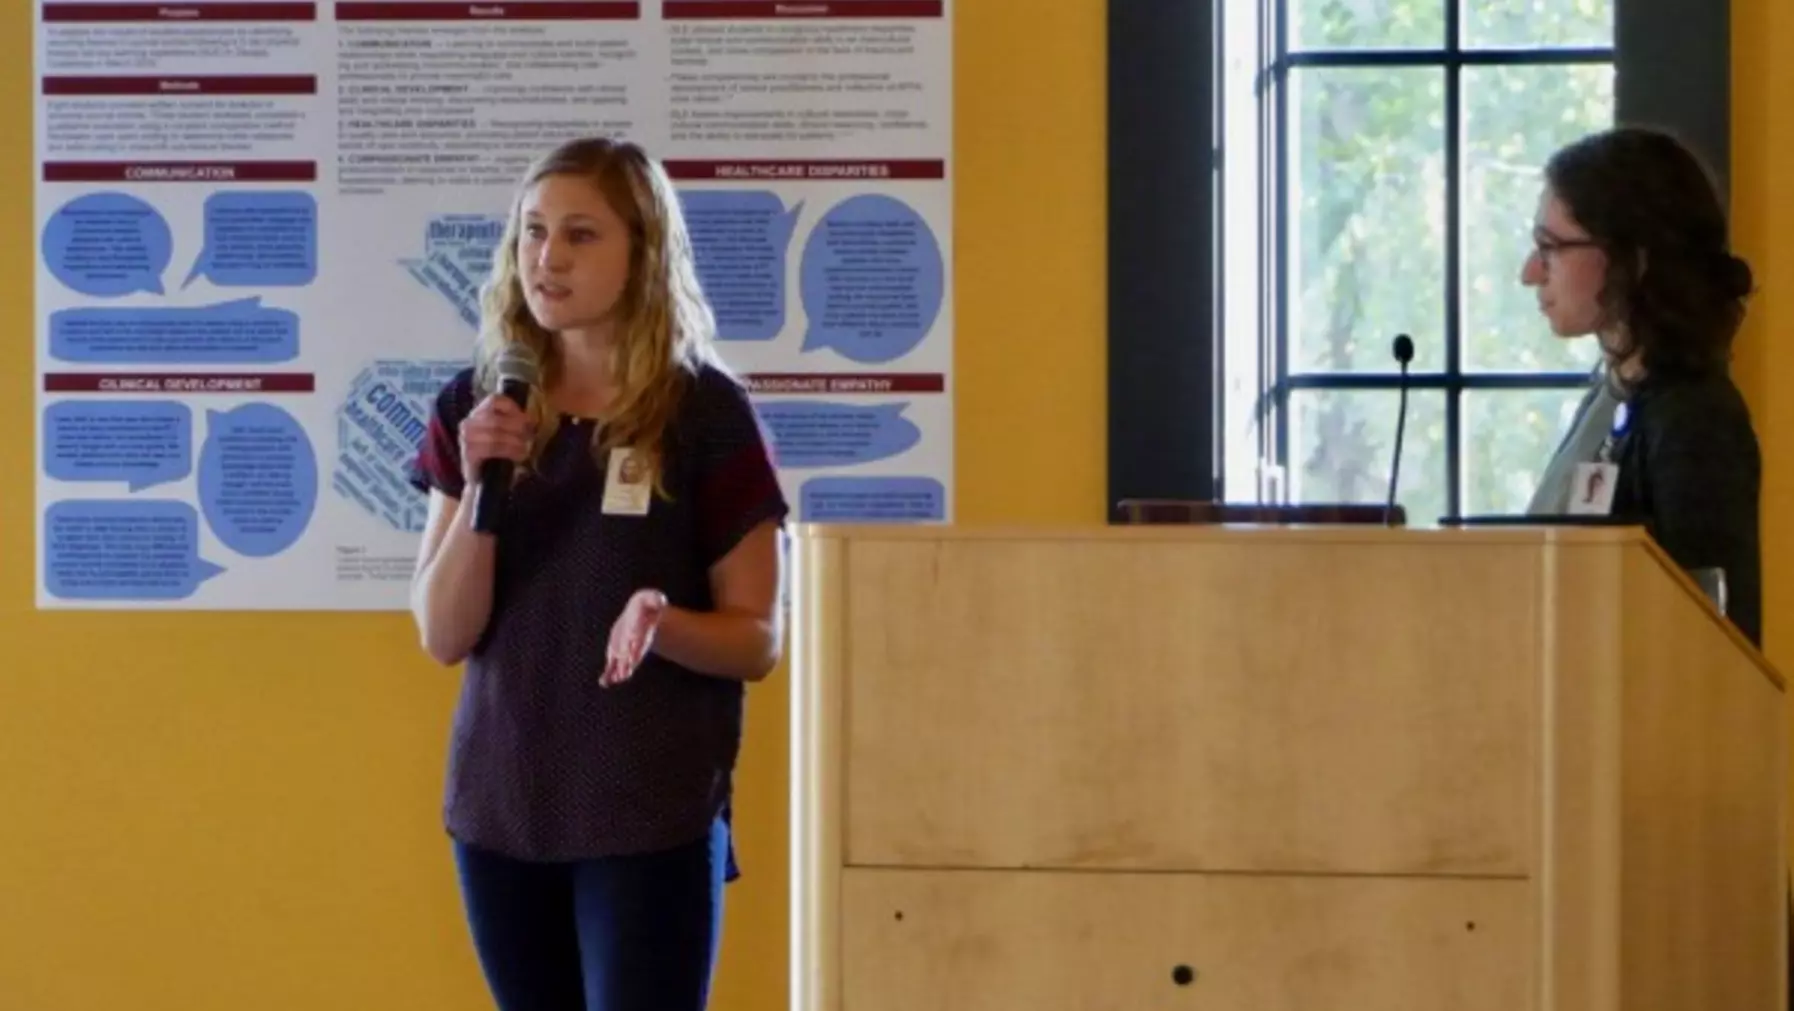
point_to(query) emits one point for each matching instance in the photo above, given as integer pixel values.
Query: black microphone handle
(516, 389)
(1404, 353)
(492, 497)
(1395, 466)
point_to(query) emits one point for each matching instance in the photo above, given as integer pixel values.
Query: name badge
(627, 488)
(1592, 492)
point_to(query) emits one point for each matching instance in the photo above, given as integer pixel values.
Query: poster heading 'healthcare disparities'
(262, 228)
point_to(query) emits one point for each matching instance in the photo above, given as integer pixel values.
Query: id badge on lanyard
(1591, 494)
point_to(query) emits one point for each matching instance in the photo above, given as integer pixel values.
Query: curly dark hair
(1672, 279)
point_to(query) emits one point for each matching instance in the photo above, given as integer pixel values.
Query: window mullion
(1277, 394)
(1454, 236)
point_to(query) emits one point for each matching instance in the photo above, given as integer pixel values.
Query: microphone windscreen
(1404, 348)
(517, 362)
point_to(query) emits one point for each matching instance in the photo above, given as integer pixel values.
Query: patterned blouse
(544, 764)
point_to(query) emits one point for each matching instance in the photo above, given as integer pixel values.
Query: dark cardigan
(1691, 472)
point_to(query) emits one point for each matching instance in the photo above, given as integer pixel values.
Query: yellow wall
(1763, 215)
(220, 811)
(224, 811)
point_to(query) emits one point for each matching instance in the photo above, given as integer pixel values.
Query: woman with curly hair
(1631, 247)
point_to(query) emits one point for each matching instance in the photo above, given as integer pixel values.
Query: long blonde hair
(665, 327)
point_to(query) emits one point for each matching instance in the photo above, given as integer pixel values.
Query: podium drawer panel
(1007, 706)
(1070, 941)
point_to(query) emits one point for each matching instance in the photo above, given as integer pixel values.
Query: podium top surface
(1350, 533)
(1518, 535)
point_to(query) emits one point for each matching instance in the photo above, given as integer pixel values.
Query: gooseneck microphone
(1404, 353)
(518, 371)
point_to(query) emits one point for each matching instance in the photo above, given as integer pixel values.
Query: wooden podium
(1278, 769)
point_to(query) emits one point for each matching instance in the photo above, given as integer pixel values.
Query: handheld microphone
(1404, 353)
(518, 370)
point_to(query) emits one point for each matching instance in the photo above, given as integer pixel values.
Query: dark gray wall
(1675, 72)
(1161, 249)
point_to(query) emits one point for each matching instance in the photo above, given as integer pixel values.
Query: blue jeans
(628, 933)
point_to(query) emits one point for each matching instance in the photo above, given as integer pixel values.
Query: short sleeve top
(544, 763)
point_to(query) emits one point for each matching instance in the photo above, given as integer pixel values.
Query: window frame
(1165, 350)
(1452, 380)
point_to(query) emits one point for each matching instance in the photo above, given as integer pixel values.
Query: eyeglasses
(1546, 247)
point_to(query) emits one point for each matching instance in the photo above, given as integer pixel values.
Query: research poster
(262, 229)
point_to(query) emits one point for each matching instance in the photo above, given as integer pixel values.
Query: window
(1381, 162)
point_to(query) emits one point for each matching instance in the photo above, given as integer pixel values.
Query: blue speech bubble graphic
(872, 279)
(458, 252)
(259, 238)
(237, 332)
(108, 244)
(872, 500)
(258, 479)
(740, 240)
(813, 434)
(380, 425)
(143, 443)
(123, 550)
